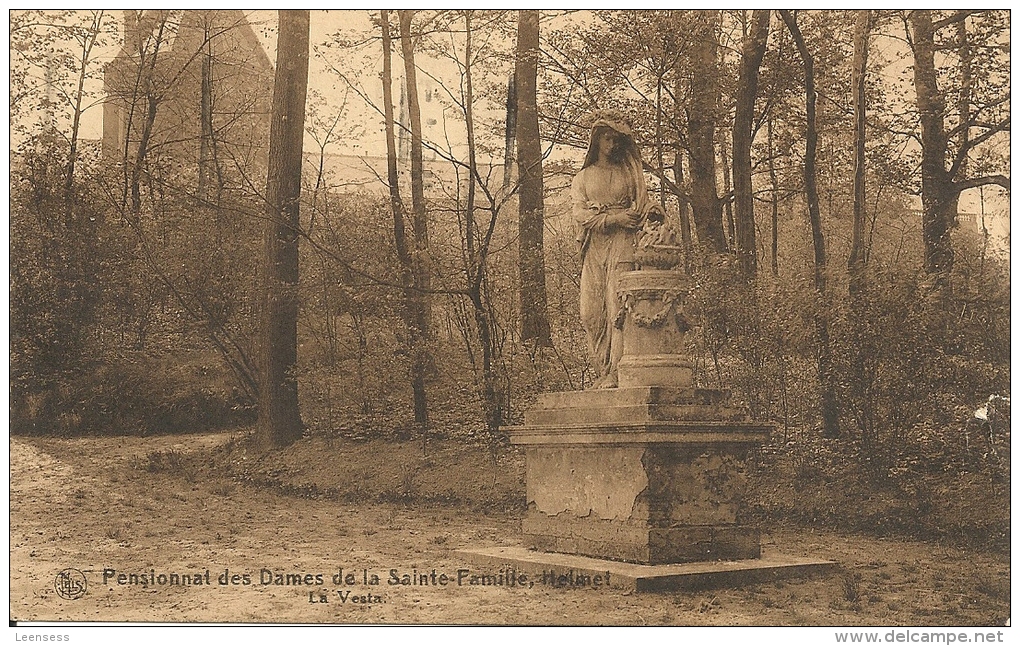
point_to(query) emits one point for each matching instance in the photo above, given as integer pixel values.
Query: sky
(330, 90)
(322, 25)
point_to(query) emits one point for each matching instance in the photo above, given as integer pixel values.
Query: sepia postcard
(474, 318)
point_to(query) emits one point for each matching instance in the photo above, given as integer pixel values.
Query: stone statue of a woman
(610, 203)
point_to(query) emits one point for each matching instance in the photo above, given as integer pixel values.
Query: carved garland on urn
(670, 298)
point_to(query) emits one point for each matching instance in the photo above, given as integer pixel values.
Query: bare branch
(955, 18)
(961, 155)
(987, 180)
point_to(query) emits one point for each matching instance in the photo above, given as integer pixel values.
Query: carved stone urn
(651, 313)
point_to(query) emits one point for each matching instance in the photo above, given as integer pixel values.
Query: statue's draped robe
(605, 251)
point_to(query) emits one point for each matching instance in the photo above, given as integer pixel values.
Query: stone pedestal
(651, 472)
(644, 474)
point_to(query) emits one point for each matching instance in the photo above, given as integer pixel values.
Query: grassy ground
(190, 503)
(784, 486)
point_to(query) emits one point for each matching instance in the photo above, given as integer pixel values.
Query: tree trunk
(727, 187)
(420, 221)
(142, 90)
(413, 300)
(88, 41)
(140, 155)
(152, 103)
(963, 104)
(279, 419)
(937, 194)
(684, 209)
(477, 252)
(855, 264)
(511, 131)
(392, 175)
(859, 386)
(747, 91)
(826, 376)
(701, 126)
(205, 162)
(683, 202)
(534, 315)
(774, 199)
(420, 359)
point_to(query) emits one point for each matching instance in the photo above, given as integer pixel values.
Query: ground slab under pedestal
(567, 570)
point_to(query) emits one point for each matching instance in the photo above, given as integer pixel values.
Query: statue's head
(614, 123)
(614, 119)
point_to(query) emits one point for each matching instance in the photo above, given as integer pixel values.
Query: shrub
(136, 393)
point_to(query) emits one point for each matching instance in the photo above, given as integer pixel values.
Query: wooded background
(815, 163)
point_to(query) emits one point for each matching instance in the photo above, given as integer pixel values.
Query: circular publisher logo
(70, 584)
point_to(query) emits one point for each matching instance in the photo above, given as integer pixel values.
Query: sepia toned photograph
(688, 318)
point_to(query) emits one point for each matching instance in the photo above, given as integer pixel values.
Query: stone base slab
(644, 545)
(569, 571)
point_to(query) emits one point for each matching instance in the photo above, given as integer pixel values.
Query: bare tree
(826, 376)
(208, 162)
(146, 94)
(413, 301)
(861, 379)
(87, 39)
(420, 363)
(943, 167)
(477, 246)
(149, 88)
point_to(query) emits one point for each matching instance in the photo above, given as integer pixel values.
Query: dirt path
(98, 504)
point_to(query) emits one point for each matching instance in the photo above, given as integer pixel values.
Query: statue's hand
(624, 219)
